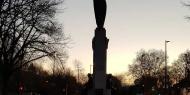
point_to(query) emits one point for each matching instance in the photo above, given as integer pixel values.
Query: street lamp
(166, 79)
(143, 67)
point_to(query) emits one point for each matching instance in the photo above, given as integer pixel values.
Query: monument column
(100, 45)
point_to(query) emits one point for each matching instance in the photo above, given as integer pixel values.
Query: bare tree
(147, 63)
(58, 63)
(177, 71)
(81, 77)
(27, 33)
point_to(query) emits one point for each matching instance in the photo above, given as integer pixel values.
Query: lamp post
(143, 66)
(166, 75)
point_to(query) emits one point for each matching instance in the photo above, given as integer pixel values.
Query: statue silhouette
(100, 12)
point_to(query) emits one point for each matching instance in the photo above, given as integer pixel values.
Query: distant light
(20, 88)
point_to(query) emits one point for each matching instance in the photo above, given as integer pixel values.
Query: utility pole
(166, 71)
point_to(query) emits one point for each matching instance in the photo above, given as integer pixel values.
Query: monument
(99, 45)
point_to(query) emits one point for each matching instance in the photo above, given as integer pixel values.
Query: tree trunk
(4, 86)
(5, 79)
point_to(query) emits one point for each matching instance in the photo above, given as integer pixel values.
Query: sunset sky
(131, 25)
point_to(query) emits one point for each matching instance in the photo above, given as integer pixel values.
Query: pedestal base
(99, 92)
(99, 45)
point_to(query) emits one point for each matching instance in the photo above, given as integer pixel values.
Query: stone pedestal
(100, 45)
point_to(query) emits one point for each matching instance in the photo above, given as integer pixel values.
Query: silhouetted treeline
(148, 70)
(35, 80)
